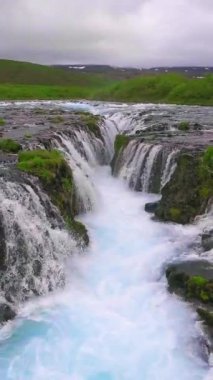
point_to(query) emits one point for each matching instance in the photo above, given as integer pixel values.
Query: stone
(207, 240)
(6, 313)
(151, 207)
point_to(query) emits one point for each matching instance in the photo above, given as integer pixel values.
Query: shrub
(183, 126)
(9, 146)
(2, 122)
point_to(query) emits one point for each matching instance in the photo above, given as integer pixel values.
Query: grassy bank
(42, 92)
(168, 88)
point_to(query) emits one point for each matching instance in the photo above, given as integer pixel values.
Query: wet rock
(207, 240)
(3, 251)
(6, 313)
(151, 207)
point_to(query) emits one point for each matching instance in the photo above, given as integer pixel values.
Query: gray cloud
(123, 32)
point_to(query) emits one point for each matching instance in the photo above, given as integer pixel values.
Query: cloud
(123, 32)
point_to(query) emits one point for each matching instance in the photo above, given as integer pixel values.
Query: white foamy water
(115, 320)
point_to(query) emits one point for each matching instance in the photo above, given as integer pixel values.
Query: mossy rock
(92, 123)
(10, 146)
(188, 192)
(198, 287)
(57, 180)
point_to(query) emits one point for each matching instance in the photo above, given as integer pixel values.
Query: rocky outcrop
(189, 191)
(40, 198)
(193, 280)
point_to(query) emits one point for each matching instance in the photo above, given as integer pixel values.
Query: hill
(15, 72)
(162, 88)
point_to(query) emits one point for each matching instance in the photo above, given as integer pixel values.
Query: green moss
(198, 281)
(175, 214)
(41, 163)
(184, 126)
(92, 122)
(79, 231)
(2, 122)
(9, 146)
(57, 179)
(57, 119)
(121, 141)
(191, 287)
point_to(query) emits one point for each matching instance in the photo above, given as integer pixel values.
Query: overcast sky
(142, 33)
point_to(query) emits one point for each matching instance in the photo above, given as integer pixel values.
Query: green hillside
(168, 88)
(22, 80)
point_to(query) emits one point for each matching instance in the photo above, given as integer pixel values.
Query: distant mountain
(127, 72)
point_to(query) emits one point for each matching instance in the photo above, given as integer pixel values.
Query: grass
(9, 146)
(2, 122)
(166, 88)
(41, 163)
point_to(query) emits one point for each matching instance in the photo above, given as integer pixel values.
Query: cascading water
(103, 326)
(36, 246)
(115, 318)
(169, 167)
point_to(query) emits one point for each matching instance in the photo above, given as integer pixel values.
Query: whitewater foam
(115, 320)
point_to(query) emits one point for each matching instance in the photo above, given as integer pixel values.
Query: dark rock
(207, 240)
(6, 313)
(3, 251)
(151, 207)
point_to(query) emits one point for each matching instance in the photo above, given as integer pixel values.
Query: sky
(140, 33)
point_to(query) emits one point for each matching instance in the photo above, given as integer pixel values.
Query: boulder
(151, 207)
(6, 313)
(207, 240)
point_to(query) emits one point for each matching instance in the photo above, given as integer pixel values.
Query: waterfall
(34, 241)
(134, 156)
(109, 130)
(82, 172)
(136, 164)
(36, 245)
(147, 172)
(146, 167)
(170, 167)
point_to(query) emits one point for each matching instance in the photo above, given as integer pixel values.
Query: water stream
(115, 319)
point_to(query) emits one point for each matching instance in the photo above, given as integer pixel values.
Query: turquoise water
(115, 320)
